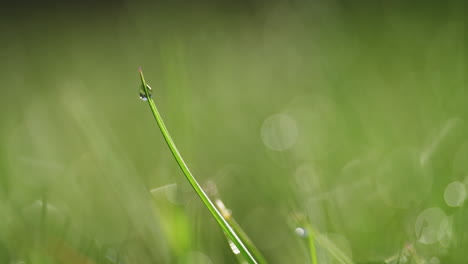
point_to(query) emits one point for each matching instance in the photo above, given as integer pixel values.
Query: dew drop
(143, 93)
(301, 232)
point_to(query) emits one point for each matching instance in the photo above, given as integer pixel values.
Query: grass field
(347, 119)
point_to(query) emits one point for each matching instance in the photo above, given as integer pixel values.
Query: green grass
(225, 226)
(371, 132)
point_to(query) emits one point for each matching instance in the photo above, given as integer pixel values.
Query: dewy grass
(146, 95)
(314, 238)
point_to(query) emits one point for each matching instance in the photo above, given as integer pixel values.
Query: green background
(352, 114)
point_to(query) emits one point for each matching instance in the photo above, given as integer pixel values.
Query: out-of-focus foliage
(351, 115)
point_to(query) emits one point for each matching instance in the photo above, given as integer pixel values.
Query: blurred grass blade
(304, 230)
(333, 249)
(311, 244)
(239, 231)
(227, 228)
(314, 238)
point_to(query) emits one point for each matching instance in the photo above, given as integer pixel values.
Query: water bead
(143, 93)
(300, 232)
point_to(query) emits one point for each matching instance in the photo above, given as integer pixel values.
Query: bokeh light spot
(445, 232)
(279, 132)
(455, 194)
(428, 224)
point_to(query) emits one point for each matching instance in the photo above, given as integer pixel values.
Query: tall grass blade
(229, 231)
(239, 231)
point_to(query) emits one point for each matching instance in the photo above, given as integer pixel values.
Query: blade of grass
(314, 238)
(306, 232)
(240, 232)
(180, 161)
(311, 244)
(333, 249)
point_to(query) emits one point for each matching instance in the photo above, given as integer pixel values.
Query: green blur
(377, 95)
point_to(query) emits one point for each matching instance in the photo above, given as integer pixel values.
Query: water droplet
(301, 232)
(143, 93)
(455, 194)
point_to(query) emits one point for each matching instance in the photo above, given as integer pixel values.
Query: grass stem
(311, 244)
(203, 196)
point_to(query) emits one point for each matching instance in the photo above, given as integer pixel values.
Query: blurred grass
(376, 92)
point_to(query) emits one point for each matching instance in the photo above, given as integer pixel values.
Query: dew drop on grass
(301, 232)
(143, 93)
(455, 194)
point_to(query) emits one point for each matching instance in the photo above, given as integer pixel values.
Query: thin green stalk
(305, 230)
(311, 244)
(240, 232)
(208, 203)
(43, 217)
(333, 249)
(314, 238)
